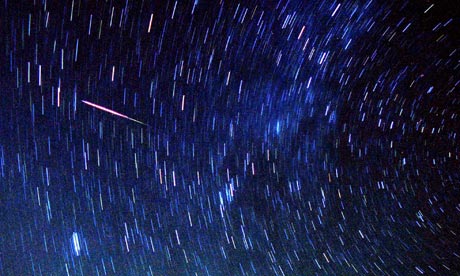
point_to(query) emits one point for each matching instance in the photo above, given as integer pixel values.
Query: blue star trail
(229, 138)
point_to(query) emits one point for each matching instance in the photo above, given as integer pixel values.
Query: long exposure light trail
(112, 112)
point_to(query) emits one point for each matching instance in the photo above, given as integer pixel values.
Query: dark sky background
(272, 138)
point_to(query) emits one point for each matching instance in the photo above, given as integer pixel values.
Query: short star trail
(276, 137)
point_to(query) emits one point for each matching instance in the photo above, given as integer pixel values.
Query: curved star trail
(229, 138)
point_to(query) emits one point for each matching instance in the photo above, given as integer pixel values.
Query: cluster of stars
(229, 138)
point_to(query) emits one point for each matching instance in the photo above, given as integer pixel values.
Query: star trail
(221, 137)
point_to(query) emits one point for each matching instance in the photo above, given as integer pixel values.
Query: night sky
(229, 138)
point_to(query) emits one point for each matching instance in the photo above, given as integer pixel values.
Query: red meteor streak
(113, 112)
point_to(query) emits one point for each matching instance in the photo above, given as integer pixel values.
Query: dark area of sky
(229, 138)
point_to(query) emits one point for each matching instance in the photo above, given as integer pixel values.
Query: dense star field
(229, 138)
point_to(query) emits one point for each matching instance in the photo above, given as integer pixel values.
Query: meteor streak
(112, 112)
